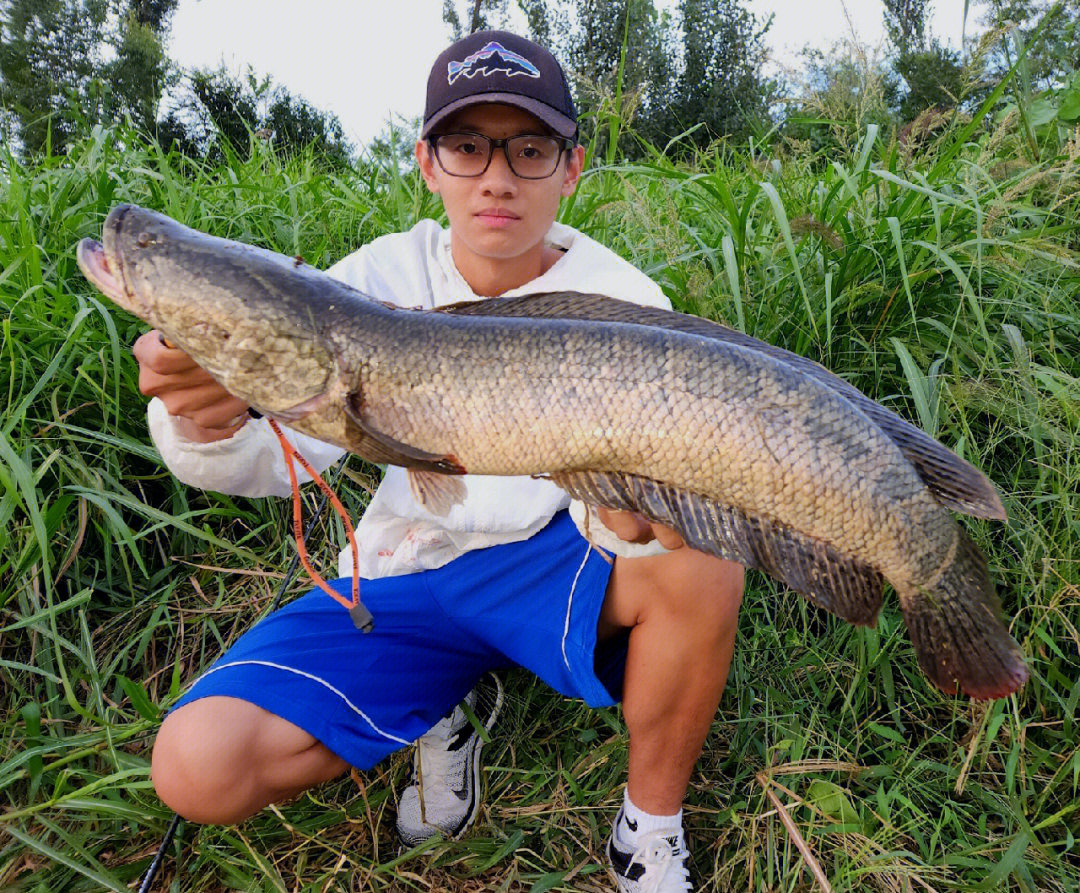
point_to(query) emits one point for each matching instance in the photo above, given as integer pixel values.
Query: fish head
(249, 317)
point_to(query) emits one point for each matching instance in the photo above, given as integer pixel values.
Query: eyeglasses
(530, 156)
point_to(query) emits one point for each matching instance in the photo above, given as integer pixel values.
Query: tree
(141, 70)
(719, 84)
(934, 77)
(478, 15)
(932, 73)
(218, 110)
(49, 55)
(839, 94)
(295, 125)
(68, 64)
(1053, 58)
(668, 73)
(905, 23)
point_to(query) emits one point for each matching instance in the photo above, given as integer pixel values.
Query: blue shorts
(533, 604)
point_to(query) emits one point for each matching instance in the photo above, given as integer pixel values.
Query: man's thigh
(683, 581)
(362, 695)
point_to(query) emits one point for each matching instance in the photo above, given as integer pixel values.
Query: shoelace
(656, 852)
(437, 767)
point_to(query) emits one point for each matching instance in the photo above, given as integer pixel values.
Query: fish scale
(759, 459)
(749, 452)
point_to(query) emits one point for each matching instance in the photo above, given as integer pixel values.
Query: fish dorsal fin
(433, 479)
(955, 483)
(816, 570)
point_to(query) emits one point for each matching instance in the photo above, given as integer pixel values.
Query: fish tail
(954, 624)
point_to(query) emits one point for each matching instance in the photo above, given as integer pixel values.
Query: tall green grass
(944, 286)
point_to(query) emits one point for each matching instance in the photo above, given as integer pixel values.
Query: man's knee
(218, 760)
(696, 588)
(197, 760)
(683, 586)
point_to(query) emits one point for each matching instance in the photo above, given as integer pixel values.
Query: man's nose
(498, 179)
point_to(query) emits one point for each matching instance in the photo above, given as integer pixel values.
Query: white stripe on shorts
(306, 675)
(570, 603)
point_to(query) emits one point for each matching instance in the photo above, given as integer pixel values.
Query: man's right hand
(205, 410)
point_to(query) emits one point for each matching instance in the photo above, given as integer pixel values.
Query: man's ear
(575, 163)
(426, 161)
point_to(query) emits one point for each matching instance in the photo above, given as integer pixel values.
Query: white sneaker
(658, 865)
(445, 794)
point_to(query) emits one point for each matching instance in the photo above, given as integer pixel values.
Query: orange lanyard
(360, 615)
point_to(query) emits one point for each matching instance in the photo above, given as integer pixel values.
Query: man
(505, 578)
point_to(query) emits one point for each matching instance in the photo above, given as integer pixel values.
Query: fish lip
(100, 270)
(104, 266)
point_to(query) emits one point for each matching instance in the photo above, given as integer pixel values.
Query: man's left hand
(635, 528)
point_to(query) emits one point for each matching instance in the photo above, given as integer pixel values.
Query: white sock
(633, 823)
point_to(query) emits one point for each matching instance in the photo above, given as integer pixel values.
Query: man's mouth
(496, 216)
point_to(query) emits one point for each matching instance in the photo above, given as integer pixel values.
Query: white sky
(367, 60)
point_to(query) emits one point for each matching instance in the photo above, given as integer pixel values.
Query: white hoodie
(396, 535)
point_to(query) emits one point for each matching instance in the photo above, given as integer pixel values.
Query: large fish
(752, 453)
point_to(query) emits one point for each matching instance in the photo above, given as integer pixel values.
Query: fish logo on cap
(493, 57)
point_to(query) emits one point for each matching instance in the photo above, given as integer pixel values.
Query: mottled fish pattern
(752, 453)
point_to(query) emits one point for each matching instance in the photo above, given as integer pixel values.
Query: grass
(944, 286)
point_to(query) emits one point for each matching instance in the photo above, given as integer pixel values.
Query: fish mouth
(95, 266)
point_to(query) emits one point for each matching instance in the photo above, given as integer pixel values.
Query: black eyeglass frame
(565, 145)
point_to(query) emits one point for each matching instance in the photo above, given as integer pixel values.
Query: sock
(632, 823)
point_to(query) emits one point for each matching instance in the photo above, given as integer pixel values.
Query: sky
(367, 60)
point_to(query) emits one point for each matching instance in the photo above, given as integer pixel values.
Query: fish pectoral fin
(821, 573)
(375, 446)
(436, 492)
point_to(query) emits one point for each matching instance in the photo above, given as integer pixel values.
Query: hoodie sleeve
(247, 464)
(392, 268)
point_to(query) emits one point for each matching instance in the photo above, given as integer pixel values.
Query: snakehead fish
(752, 453)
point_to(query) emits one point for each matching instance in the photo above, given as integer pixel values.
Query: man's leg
(682, 609)
(303, 694)
(218, 760)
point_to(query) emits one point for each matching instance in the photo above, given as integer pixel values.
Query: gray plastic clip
(361, 616)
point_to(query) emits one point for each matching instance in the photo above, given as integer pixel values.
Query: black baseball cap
(497, 66)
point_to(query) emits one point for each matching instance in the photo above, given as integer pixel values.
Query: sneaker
(658, 865)
(444, 796)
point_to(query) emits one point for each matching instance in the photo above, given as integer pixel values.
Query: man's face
(498, 215)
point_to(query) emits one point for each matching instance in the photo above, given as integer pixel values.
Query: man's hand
(634, 528)
(207, 412)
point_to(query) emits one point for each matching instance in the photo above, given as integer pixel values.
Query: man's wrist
(196, 433)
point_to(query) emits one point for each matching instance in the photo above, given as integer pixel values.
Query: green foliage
(475, 15)
(944, 285)
(1056, 52)
(220, 114)
(905, 23)
(66, 65)
(48, 59)
(139, 73)
(694, 73)
(934, 77)
(69, 65)
(839, 95)
(717, 88)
